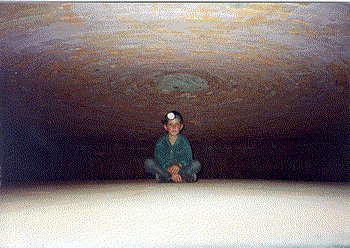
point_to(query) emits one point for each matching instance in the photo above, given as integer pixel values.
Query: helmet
(171, 116)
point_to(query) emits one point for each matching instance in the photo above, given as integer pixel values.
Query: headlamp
(171, 116)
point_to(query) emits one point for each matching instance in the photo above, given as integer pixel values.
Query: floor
(142, 213)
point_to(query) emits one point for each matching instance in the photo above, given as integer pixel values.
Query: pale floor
(208, 213)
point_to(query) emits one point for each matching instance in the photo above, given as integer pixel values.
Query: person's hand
(174, 169)
(176, 178)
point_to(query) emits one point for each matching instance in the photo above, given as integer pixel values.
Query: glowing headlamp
(171, 116)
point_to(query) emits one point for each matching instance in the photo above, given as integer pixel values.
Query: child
(173, 154)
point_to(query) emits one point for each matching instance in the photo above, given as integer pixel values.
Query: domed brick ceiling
(231, 69)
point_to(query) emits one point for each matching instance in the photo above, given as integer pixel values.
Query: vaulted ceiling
(231, 69)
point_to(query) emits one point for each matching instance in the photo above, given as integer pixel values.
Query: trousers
(152, 166)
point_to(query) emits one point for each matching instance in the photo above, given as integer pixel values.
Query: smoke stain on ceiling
(263, 69)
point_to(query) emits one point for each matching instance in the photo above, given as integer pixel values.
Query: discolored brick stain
(69, 16)
(181, 82)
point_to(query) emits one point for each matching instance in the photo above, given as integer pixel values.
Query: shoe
(161, 180)
(189, 178)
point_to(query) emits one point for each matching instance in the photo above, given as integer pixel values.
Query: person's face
(173, 127)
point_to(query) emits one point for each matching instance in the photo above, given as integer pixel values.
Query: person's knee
(149, 162)
(197, 165)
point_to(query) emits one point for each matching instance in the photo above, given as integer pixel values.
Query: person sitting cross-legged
(173, 160)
